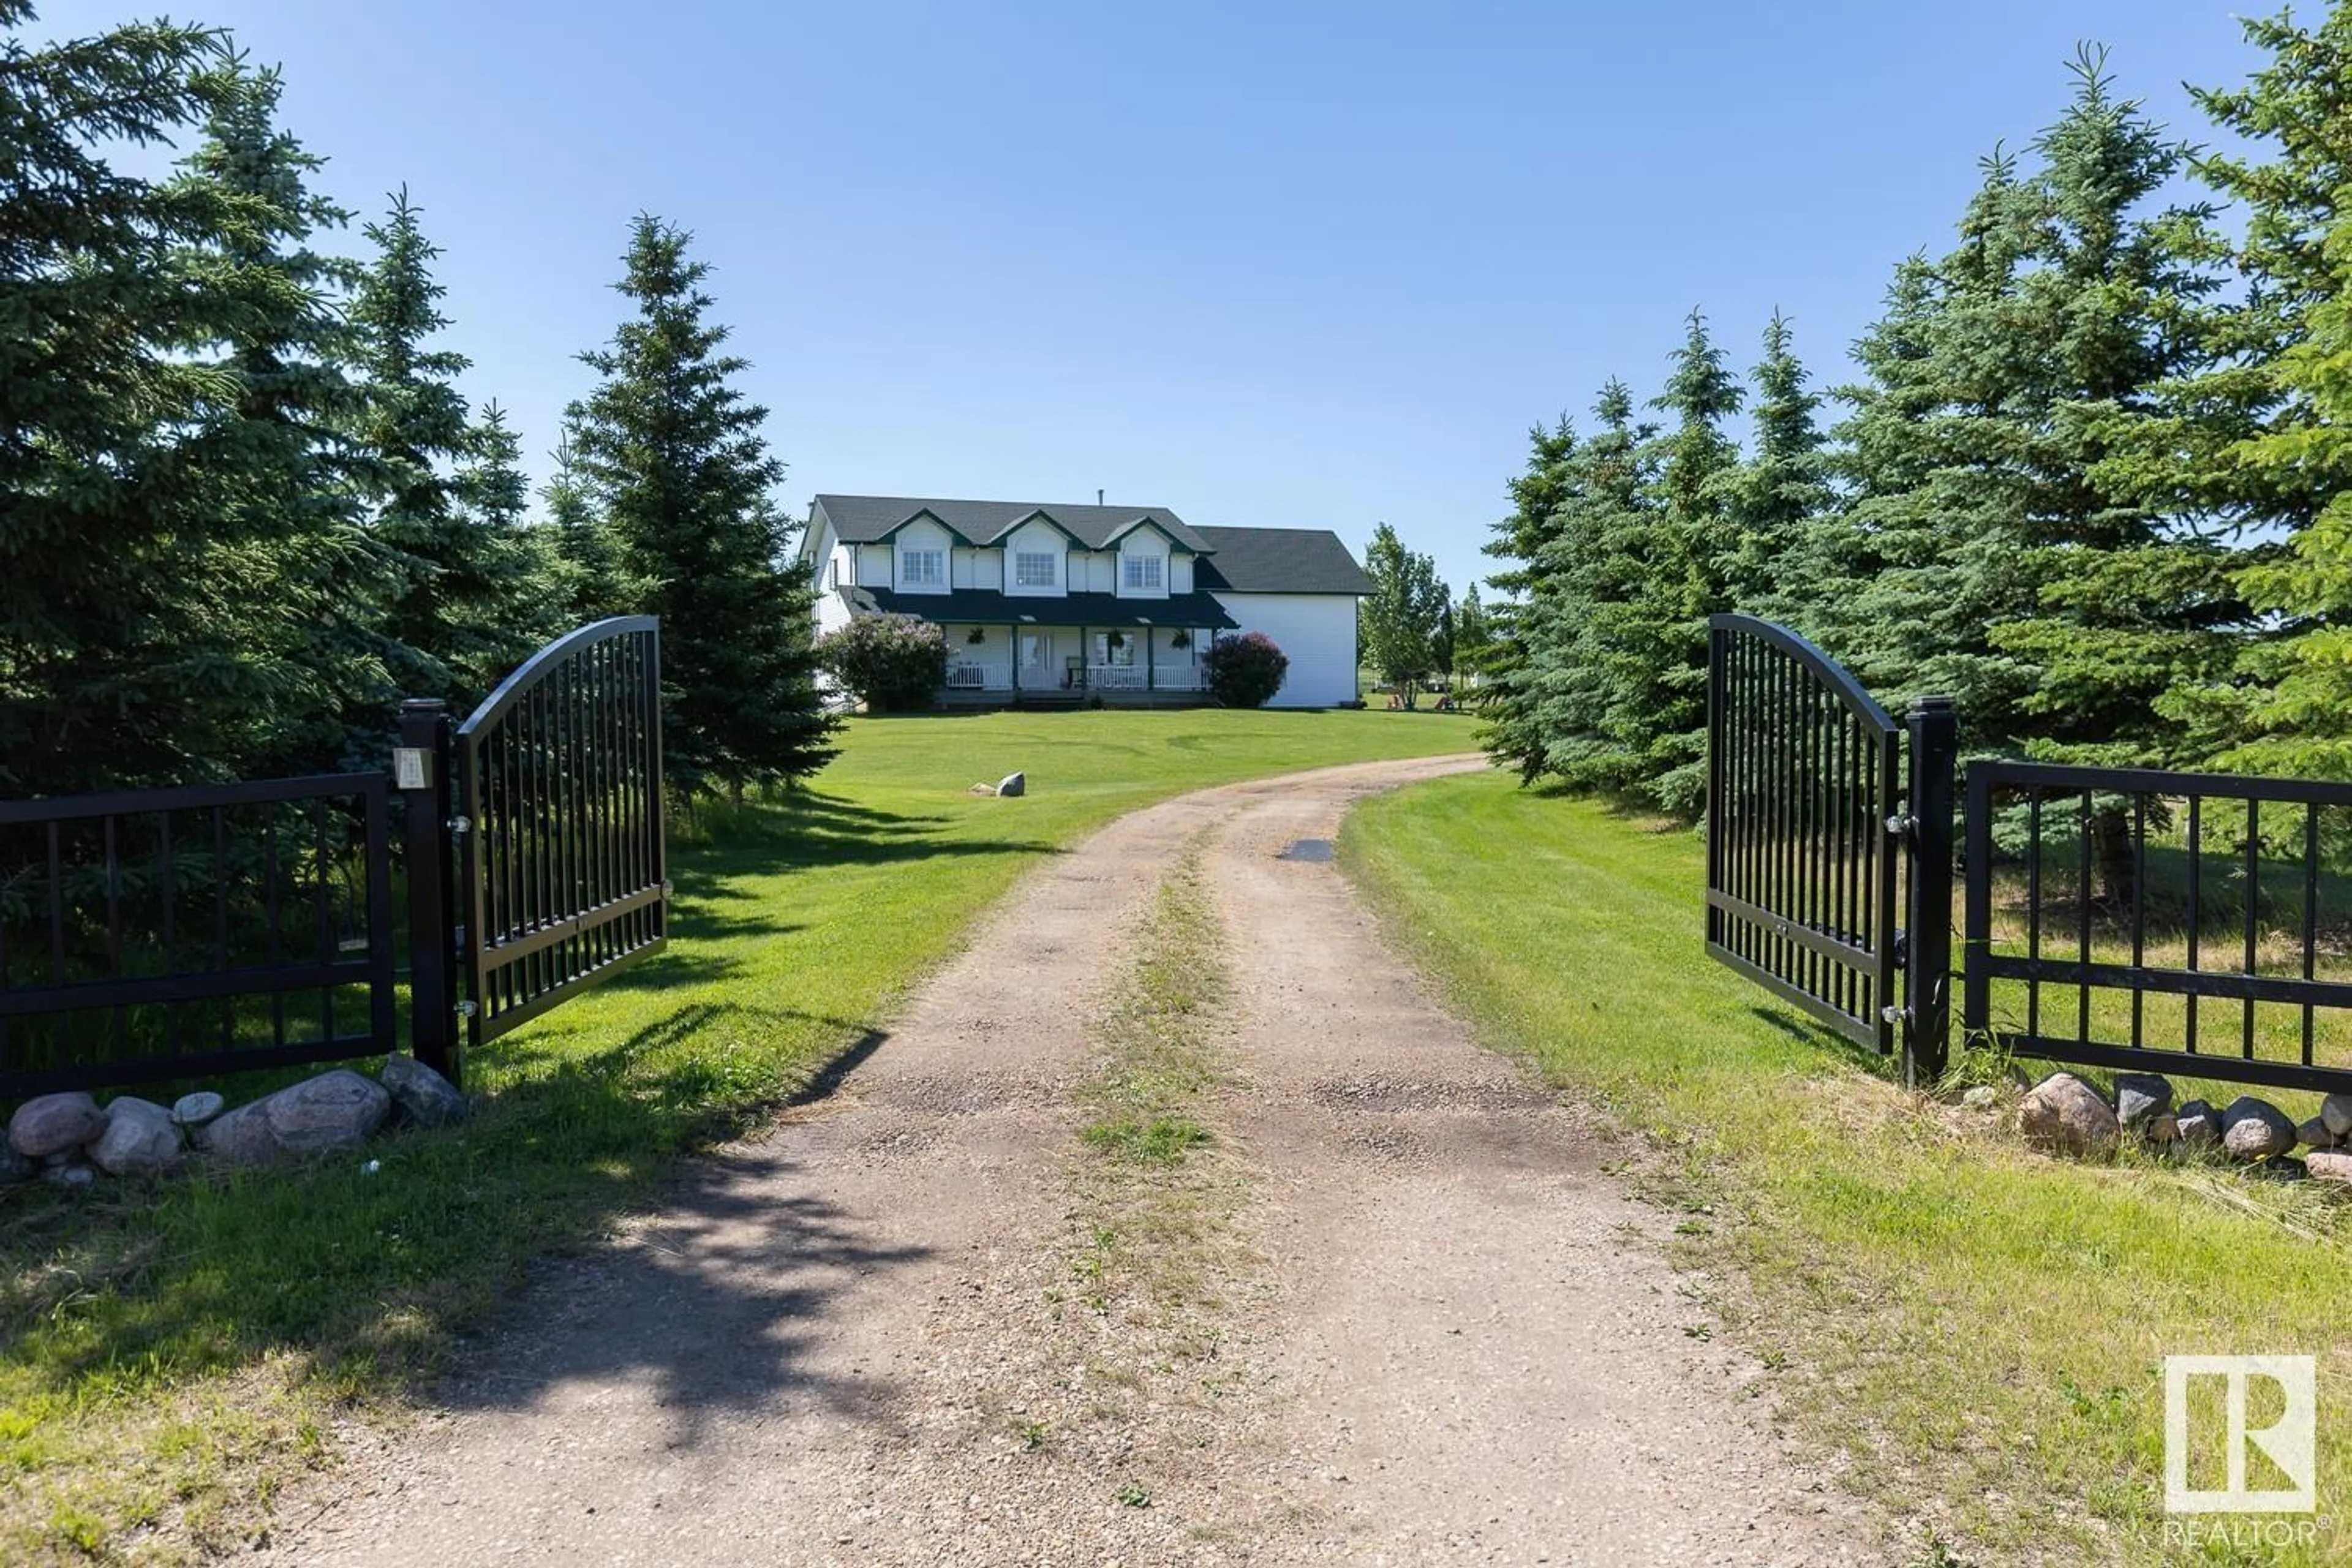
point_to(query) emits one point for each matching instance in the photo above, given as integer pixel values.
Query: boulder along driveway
(1395, 1309)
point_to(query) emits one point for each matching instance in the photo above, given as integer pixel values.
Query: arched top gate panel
(1803, 827)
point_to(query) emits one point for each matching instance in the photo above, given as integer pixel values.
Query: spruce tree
(107, 674)
(674, 460)
(2124, 595)
(1784, 487)
(449, 630)
(592, 583)
(2282, 375)
(1656, 639)
(1588, 644)
(1517, 621)
(292, 576)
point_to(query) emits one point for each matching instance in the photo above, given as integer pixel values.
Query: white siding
(874, 564)
(988, 569)
(1179, 571)
(1317, 631)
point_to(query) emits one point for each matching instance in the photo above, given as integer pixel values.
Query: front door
(1038, 671)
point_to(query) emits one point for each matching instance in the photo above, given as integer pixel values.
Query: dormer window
(922, 568)
(1032, 569)
(1141, 573)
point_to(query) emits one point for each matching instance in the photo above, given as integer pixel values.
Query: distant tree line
(244, 506)
(2091, 477)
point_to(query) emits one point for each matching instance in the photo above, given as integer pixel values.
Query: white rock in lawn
(2336, 1112)
(337, 1109)
(196, 1109)
(53, 1123)
(1012, 784)
(2066, 1115)
(2254, 1128)
(140, 1139)
(2334, 1166)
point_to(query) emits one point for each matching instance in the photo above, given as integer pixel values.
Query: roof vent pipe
(1098, 501)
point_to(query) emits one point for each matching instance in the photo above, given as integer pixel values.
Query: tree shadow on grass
(367, 1266)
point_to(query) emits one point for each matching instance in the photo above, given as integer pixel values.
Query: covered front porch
(1010, 661)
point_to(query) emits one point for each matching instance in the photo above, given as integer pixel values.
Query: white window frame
(1131, 573)
(1021, 561)
(936, 559)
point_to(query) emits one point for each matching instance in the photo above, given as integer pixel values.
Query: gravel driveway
(1422, 1325)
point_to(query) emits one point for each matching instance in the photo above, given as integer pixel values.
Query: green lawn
(1976, 1329)
(171, 1356)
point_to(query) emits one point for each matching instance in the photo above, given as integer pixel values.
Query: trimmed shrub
(1244, 671)
(893, 662)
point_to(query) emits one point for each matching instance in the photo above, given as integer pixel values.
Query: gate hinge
(1900, 823)
(461, 825)
(1890, 1013)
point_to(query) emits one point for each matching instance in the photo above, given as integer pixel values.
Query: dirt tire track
(1460, 1345)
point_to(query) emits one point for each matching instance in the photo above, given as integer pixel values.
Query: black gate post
(1935, 726)
(422, 771)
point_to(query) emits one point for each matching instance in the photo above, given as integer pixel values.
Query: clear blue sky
(1272, 265)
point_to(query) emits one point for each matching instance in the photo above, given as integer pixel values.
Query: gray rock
(74, 1175)
(2329, 1166)
(1012, 784)
(140, 1139)
(54, 1123)
(2336, 1112)
(16, 1167)
(2066, 1115)
(1983, 1097)
(421, 1097)
(196, 1109)
(2140, 1095)
(2316, 1133)
(336, 1109)
(2199, 1128)
(2254, 1128)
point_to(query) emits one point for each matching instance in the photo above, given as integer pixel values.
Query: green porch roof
(989, 608)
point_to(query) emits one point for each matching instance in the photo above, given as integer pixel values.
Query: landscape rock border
(67, 1139)
(2064, 1114)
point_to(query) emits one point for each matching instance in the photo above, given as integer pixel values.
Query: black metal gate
(1812, 836)
(2127, 897)
(548, 804)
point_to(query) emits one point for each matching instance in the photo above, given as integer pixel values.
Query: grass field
(1976, 1330)
(170, 1357)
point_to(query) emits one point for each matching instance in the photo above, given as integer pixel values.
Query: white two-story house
(1052, 602)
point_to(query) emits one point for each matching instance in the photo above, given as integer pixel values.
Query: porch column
(1149, 683)
(1012, 642)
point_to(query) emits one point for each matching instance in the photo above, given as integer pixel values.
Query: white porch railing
(965, 676)
(1116, 677)
(1179, 677)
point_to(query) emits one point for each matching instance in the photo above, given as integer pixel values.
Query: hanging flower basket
(1181, 639)
(1118, 640)
(977, 635)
